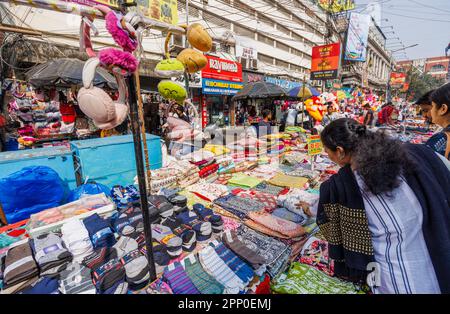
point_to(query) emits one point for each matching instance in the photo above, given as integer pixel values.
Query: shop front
(221, 79)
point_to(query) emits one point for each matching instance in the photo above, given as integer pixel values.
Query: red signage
(325, 61)
(397, 79)
(221, 69)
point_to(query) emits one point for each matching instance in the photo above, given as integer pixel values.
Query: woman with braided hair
(386, 210)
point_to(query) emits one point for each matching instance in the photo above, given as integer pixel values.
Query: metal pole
(135, 128)
(186, 43)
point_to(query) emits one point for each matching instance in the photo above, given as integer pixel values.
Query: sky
(422, 22)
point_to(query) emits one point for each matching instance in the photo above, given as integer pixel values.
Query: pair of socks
(161, 205)
(77, 240)
(100, 232)
(136, 264)
(19, 265)
(188, 236)
(165, 236)
(202, 229)
(45, 285)
(208, 215)
(50, 254)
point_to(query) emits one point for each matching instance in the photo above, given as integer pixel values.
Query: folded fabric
(264, 230)
(283, 226)
(77, 240)
(215, 266)
(179, 281)
(239, 206)
(294, 197)
(76, 279)
(217, 149)
(246, 253)
(208, 191)
(45, 285)
(19, 264)
(269, 200)
(270, 189)
(208, 170)
(236, 264)
(99, 231)
(288, 215)
(288, 181)
(304, 279)
(274, 251)
(315, 254)
(198, 155)
(204, 282)
(50, 254)
(244, 180)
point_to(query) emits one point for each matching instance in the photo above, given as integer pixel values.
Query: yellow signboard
(336, 6)
(162, 10)
(314, 145)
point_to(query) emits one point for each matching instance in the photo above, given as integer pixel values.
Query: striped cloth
(237, 265)
(203, 281)
(178, 280)
(216, 267)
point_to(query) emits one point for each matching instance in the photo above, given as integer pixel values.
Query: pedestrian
(330, 115)
(368, 116)
(264, 126)
(440, 113)
(388, 208)
(386, 115)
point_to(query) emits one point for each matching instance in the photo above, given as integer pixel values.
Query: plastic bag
(88, 189)
(29, 191)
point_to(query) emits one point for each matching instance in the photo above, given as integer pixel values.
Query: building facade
(438, 67)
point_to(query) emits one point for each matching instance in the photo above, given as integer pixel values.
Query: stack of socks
(179, 202)
(188, 236)
(165, 236)
(121, 224)
(19, 265)
(203, 229)
(107, 270)
(136, 264)
(99, 231)
(161, 257)
(50, 254)
(76, 279)
(161, 205)
(45, 285)
(207, 214)
(76, 238)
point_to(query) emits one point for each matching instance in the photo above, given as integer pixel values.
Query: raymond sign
(161, 10)
(325, 62)
(221, 77)
(397, 79)
(314, 145)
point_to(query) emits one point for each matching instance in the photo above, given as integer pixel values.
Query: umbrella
(303, 92)
(66, 72)
(259, 90)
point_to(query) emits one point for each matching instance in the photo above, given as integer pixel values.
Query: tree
(420, 83)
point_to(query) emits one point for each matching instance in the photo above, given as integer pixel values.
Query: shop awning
(260, 90)
(65, 72)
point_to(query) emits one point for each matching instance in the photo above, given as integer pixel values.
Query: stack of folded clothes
(203, 229)
(160, 204)
(136, 265)
(166, 237)
(238, 206)
(76, 279)
(19, 265)
(50, 254)
(107, 271)
(76, 238)
(100, 231)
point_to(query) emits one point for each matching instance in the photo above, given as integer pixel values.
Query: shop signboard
(336, 6)
(325, 61)
(287, 85)
(245, 48)
(195, 80)
(161, 10)
(314, 145)
(221, 77)
(250, 77)
(357, 37)
(397, 79)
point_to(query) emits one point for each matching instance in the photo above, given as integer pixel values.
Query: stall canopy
(66, 72)
(259, 90)
(303, 92)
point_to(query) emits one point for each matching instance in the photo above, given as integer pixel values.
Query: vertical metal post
(135, 128)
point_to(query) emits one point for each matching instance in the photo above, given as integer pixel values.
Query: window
(281, 63)
(265, 59)
(296, 52)
(266, 40)
(282, 46)
(216, 20)
(243, 31)
(438, 68)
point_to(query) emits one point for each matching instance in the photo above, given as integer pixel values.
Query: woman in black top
(440, 112)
